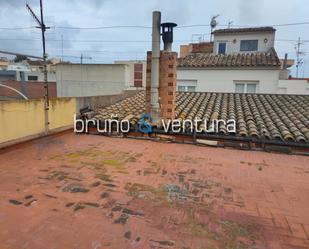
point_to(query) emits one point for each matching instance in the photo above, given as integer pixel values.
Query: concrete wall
(21, 120)
(235, 47)
(293, 87)
(130, 64)
(217, 80)
(61, 112)
(76, 80)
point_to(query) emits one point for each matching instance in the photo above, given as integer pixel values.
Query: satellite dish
(213, 22)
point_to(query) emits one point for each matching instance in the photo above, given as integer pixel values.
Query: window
(222, 48)
(245, 87)
(32, 78)
(251, 88)
(239, 88)
(186, 88)
(249, 45)
(181, 88)
(138, 75)
(186, 85)
(191, 88)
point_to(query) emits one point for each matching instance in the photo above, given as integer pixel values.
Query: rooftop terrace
(83, 191)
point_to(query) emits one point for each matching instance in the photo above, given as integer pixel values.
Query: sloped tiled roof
(262, 116)
(241, 60)
(244, 30)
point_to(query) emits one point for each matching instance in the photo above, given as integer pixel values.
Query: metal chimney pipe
(155, 60)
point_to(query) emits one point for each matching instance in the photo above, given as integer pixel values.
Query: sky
(75, 26)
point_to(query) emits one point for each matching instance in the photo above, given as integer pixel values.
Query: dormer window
(248, 45)
(222, 48)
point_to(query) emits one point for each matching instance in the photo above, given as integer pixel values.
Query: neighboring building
(7, 75)
(242, 61)
(294, 86)
(137, 74)
(36, 72)
(4, 62)
(29, 70)
(242, 73)
(244, 40)
(79, 80)
(202, 47)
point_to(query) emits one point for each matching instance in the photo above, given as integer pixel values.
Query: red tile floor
(83, 191)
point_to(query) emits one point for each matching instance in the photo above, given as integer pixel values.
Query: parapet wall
(22, 120)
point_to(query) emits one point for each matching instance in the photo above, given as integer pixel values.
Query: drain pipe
(155, 71)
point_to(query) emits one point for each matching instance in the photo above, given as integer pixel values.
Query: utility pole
(41, 25)
(299, 61)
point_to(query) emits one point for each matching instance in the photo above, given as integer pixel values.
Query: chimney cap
(169, 25)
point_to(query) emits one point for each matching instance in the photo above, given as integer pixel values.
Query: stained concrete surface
(82, 191)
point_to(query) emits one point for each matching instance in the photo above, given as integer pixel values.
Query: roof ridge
(249, 59)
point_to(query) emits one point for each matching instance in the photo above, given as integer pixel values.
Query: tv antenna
(299, 53)
(41, 25)
(213, 24)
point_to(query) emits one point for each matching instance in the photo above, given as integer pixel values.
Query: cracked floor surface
(83, 191)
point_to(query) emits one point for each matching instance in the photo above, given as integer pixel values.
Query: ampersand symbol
(143, 123)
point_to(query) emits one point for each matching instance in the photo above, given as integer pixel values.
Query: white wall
(131, 63)
(76, 80)
(293, 87)
(235, 47)
(222, 80)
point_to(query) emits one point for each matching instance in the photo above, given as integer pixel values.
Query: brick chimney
(167, 76)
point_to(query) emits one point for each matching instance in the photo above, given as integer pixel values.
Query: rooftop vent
(167, 35)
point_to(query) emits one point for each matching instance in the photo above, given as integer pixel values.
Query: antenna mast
(41, 25)
(213, 25)
(299, 61)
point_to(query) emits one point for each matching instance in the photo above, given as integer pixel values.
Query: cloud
(250, 11)
(12, 3)
(94, 13)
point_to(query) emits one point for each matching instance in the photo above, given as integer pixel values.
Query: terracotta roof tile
(263, 116)
(257, 59)
(244, 30)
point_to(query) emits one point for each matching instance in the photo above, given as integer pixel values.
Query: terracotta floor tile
(98, 192)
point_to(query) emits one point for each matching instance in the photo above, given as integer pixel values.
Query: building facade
(244, 40)
(137, 70)
(81, 80)
(241, 61)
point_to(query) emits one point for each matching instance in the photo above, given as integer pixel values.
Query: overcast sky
(102, 13)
